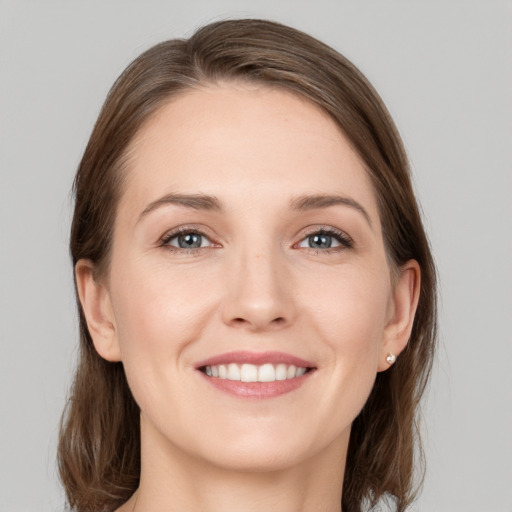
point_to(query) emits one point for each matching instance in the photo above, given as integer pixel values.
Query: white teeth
(253, 373)
(266, 373)
(281, 372)
(233, 372)
(249, 373)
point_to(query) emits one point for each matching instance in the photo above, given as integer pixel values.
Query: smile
(255, 373)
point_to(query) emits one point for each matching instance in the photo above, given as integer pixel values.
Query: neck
(173, 480)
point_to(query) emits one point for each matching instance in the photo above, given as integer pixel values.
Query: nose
(259, 292)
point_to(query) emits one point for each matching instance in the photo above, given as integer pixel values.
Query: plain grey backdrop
(444, 68)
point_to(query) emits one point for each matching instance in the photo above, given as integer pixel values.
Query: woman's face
(247, 247)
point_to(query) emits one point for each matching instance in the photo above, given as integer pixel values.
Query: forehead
(257, 142)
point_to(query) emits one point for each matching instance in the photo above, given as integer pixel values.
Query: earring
(391, 358)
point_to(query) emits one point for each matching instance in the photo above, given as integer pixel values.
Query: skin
(254, 285)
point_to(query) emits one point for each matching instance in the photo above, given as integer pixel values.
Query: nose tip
(258, 295)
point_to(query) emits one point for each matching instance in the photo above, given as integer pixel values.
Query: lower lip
(257, 389)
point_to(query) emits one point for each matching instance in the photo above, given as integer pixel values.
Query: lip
(256, 358)
(256, 390)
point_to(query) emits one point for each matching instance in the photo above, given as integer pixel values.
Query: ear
(98, 311)
(404, 302)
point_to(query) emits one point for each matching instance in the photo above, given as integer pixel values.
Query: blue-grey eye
(188, 240)
(320, 241)
(325, 240)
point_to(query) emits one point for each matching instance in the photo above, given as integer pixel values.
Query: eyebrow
(317, 201)
(212, 203)
(194, 201)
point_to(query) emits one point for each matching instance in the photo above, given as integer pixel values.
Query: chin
(257, 458)
(270, 449)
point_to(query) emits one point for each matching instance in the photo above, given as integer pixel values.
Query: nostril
(280, 320)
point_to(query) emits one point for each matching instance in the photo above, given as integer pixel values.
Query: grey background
(445, 70)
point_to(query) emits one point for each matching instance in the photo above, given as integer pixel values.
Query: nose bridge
(258, 294)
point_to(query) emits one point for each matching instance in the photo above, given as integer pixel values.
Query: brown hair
(99, 449)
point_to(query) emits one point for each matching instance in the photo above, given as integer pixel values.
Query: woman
(256, 290)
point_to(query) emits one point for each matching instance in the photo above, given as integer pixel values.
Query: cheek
(158, 311)
(351, 308)
(350, 319)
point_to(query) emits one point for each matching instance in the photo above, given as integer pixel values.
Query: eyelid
(173, 233)
(345, 240)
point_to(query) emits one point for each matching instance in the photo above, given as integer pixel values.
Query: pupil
(189, 241)
(320, 241)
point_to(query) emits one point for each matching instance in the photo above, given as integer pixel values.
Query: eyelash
(184, 230)
(345, 241)
(343, 238)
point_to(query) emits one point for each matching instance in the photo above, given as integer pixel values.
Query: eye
(187, 240)
(325, 239)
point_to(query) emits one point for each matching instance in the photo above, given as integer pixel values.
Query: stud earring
(391, 358)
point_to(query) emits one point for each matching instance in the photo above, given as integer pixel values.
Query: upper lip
(256, 358)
